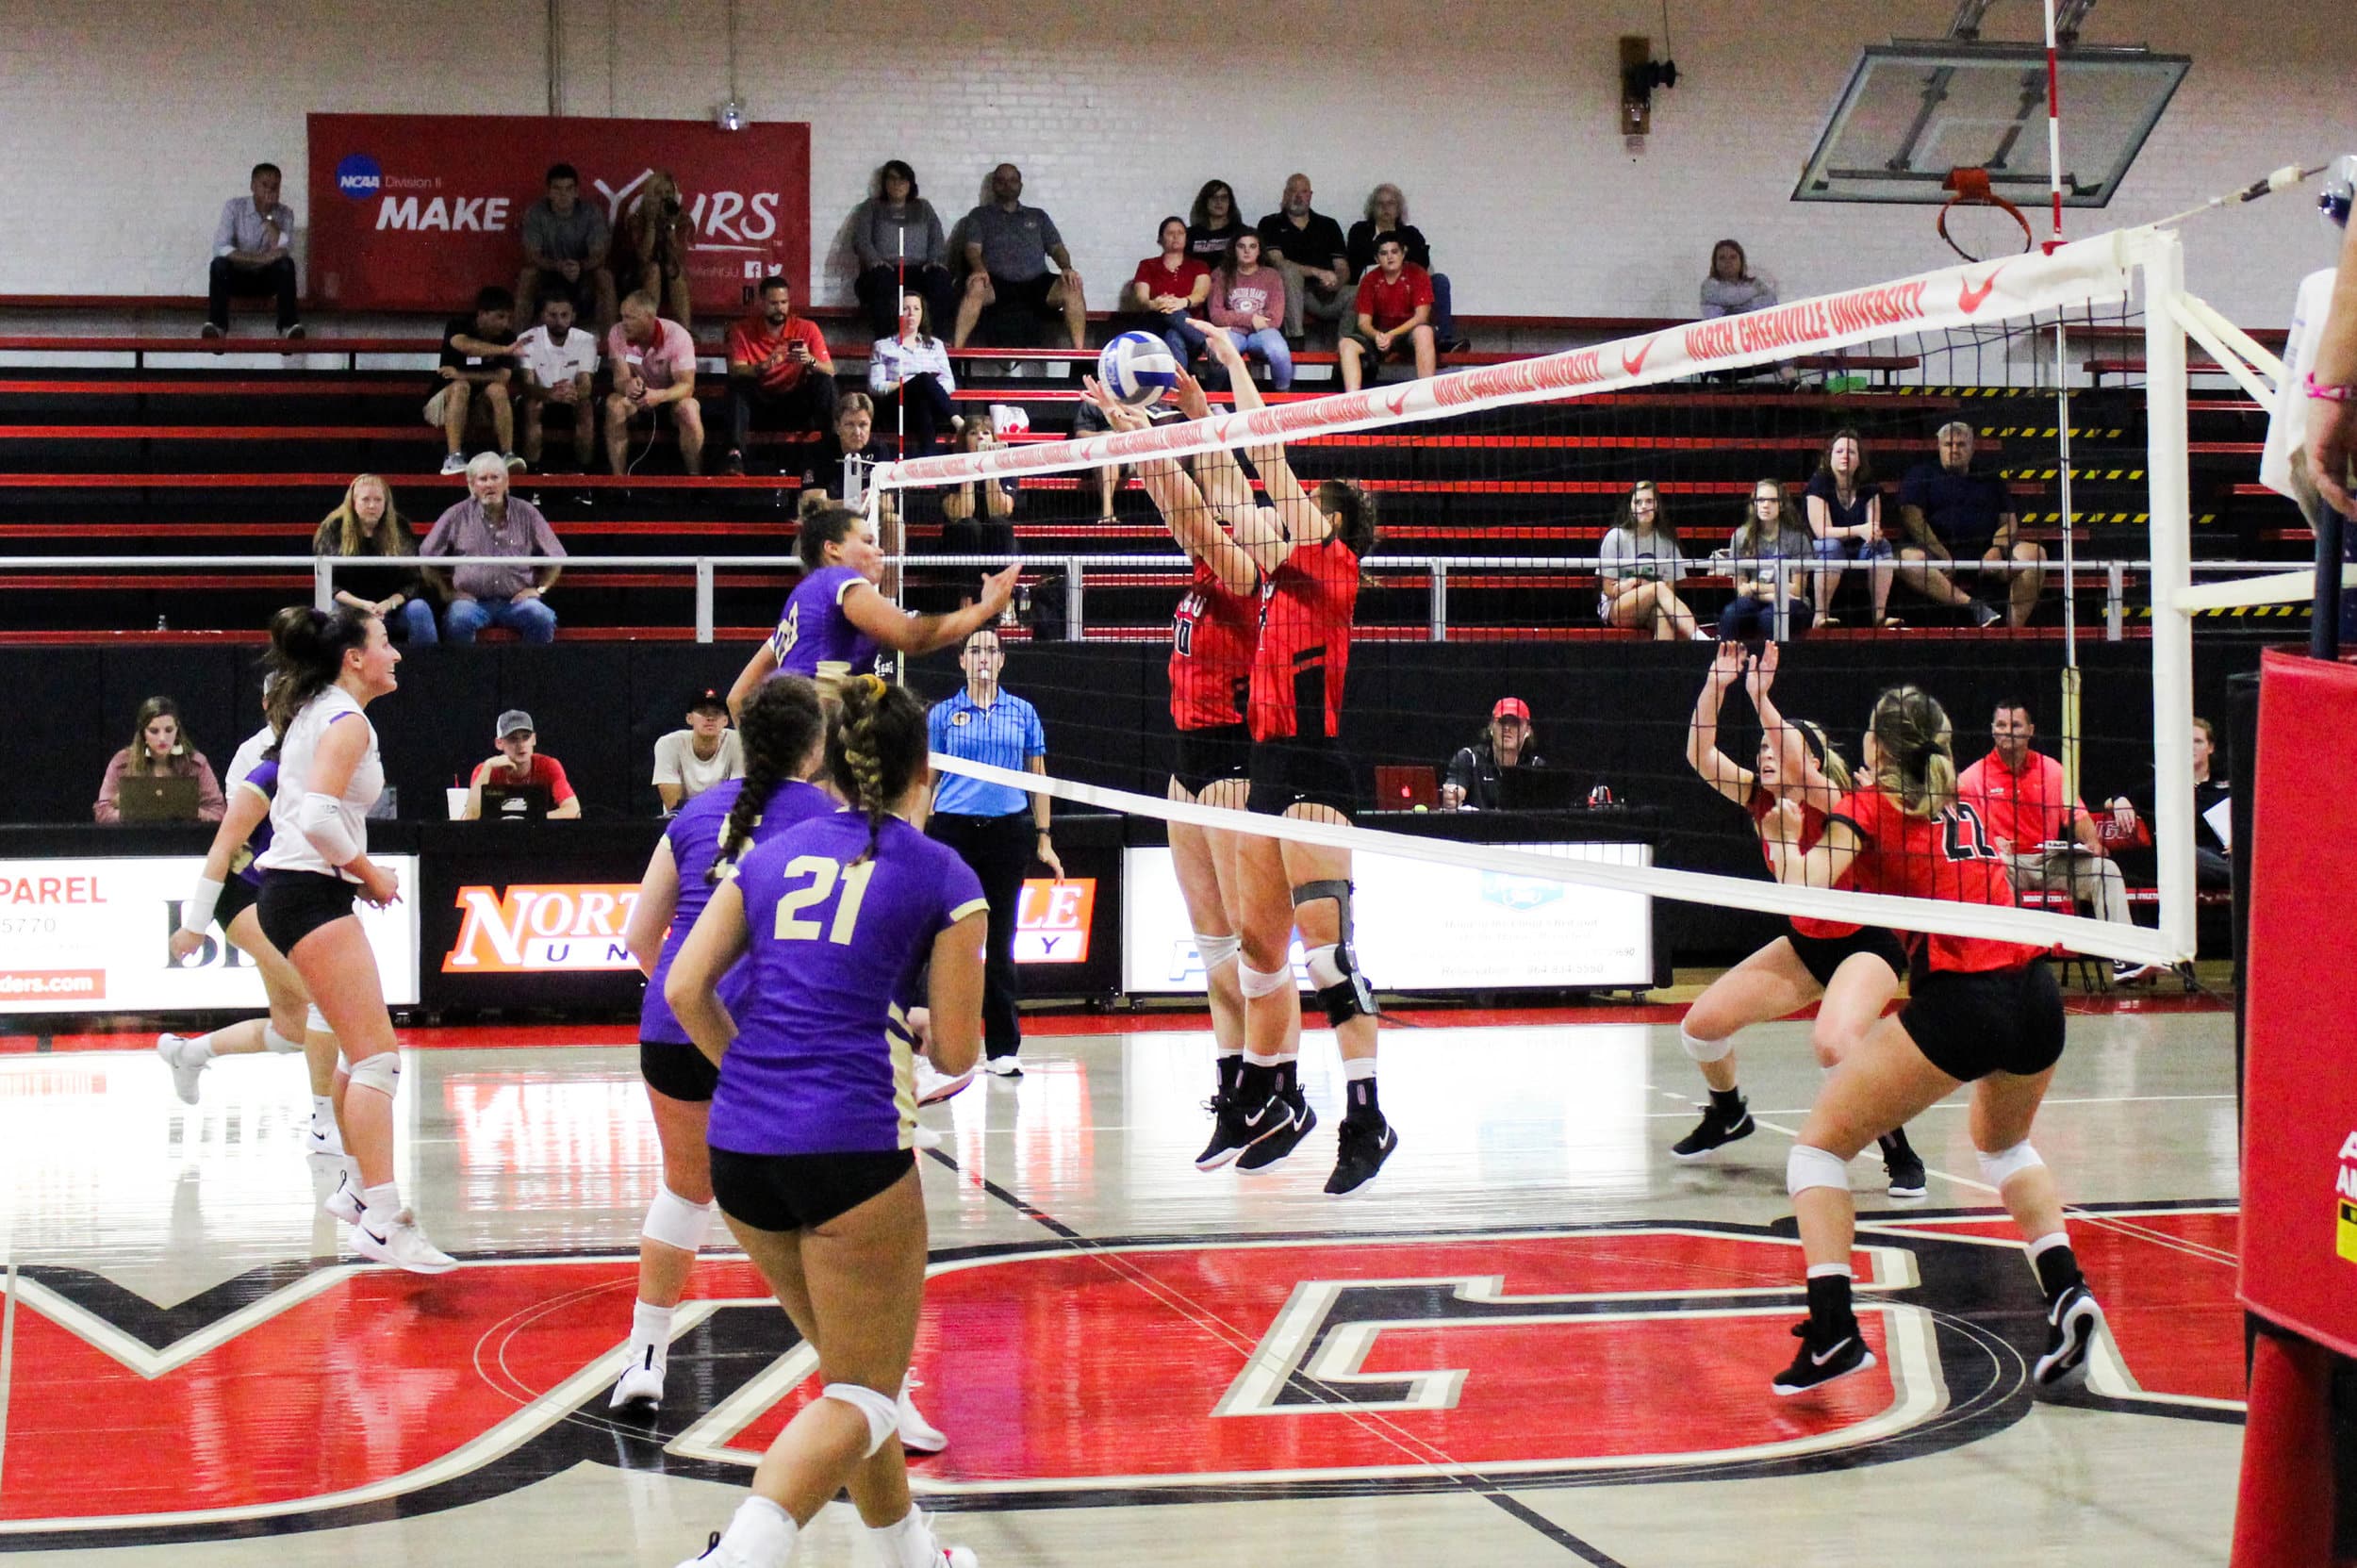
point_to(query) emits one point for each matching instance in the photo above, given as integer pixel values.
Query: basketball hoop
(1970, 187)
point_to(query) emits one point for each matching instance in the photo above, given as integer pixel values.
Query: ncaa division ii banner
(418, 211)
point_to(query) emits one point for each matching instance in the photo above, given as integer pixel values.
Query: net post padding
(2168, 470)
(1975, 294)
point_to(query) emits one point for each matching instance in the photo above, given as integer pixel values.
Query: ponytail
(778, 727)
(307, 655)
(876, 749)
(1914, 759)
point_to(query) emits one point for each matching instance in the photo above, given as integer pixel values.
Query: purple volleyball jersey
(249, 859)
(695, 839)
(818, 1065)
(812, 628)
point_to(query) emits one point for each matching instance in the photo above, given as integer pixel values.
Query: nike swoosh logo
(379, 1241)
(1969, 299)
(1399, 403)
(1637, 364)
(1254, 1119)
(1816, 1360)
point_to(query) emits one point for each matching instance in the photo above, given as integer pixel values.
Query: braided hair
(307, 655)
(876, 748)
(778, 727)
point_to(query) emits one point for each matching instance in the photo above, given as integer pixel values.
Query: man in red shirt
(517, 764)
(1394, 307)
(2044, 835)
(779, 366)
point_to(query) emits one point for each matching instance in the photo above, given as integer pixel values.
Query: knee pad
(1263, 983)
(1216, 951)
(1705, 1050)
(1334, 889)
(881, 1410)
(381, 1072)
(315, 1019)
(675, 1222)
(277, 1043)
(1341, 990)
(2006, 1163)
(1806, 1167)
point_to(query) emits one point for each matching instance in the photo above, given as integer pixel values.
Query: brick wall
(129, 122)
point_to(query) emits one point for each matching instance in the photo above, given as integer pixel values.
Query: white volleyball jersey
(290, 849)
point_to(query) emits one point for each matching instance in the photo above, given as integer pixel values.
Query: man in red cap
(1473, 773)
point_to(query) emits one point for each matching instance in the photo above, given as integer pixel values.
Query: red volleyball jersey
(1304, 652)
(1212, 639)
(1812, 829)
(1945, 856)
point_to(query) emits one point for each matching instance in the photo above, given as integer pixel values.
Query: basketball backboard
(1912, 111)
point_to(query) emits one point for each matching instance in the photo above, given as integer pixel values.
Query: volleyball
(1137, 368)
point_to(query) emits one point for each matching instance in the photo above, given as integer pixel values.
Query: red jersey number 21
(1962, 836)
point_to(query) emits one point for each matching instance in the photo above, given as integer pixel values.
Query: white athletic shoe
(1002, 1066)
(323, 1137)
(641, 1383)
(716, 1556)
(402, 1245)
(343, 1204)
(917, 1435)
(454, 464)
(922, 1137)
(185, 1070)
(933, 1085)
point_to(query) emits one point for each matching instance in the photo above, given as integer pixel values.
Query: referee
(995, 830)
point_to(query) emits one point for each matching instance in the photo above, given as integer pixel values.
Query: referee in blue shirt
(995, 830)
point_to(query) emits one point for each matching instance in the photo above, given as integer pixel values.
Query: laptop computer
(1540, 789)
(1405, 789)
(154, 800)
(516, 803)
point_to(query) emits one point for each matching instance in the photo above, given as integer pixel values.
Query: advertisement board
(1427, 927)
(418, 211)
(1053, 921)
(90, 935)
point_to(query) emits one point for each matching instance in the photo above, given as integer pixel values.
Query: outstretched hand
(1117, 413)
(1221, 347)
(1188, 395)
(1763, 673)
(1728, 665)
(998, 587)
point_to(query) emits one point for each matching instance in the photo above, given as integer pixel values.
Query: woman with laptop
(161, 776)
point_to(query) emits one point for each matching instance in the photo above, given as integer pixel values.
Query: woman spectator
(1641, 568)
(909, 372)
(1166, 288)
(956, 505)
(1386, 213)
(160, 749)
(367, 523)
(853, 437)
(660, 231)
(898, 241)
(1732, 287)
(1770, 532)
(1248, 302)
(1212, 225)
(1845, 515)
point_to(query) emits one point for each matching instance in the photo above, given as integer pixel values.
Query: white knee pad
(1806, 1167)
(316, 1020)
(277, 1043)
(1216, 951)
(1705, 1050)
(675, 1222)
(1263, 983)
(881, 1410)
(2006, 1163)
(381, 1072)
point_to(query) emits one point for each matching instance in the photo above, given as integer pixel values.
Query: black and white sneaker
(2072, 1321)
(1364, 1148)
(1817, 1364)
(1241, 1125)
(1985, 614)
(1904, 1166)
(1300, 1119)
(2127, 972)
(1714, 1131)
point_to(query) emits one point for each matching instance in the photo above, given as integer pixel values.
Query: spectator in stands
(780, 370)
(1386, 213)
(988, 530)
(1008, 247)
(1731, 286)
(1640, 567)
(1165, 292)
(1952, 515)
(1104, 481)
(1248, 302)
(160, 749)
(567, 243)
(898, 239)
(478, 360)
(1844, 507)
(367, 523)
(1394, 310)
(492, 522)
(662, 231)
(559, 362)
(1473, 772)
(1212, 223)
(253, 252)
(2128, 834)
(654, 363)
(910, 372)
(851, 440)
(2045, 838)
(1308, 248)
(687, 762)
(519, 762)
(1770, 532)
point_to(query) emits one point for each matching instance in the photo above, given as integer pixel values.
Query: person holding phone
(779, 369)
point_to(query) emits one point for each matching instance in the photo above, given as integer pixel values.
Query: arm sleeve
(543, 536)
(949, 378)
(862, 236)
(1422, 292)
(667, 752)
(1419, 249)
(210, 804)
(1461, 770)
(320, 822)
(437, 538)
(110, 787)
(225, 231)
(1034, 735)
(284, 217)
(1359, 304)
(878, 374)
(560, 787)
(1216, 304)
(1050, 236)
(936, 243)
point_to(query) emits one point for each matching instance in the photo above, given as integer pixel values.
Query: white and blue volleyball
(1137, 368)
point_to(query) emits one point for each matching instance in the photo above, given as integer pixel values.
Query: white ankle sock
(379, 1204)
(652, 1326)
(322, 1110)
(909, 1544)
(761, 1534)
(1357, 1067)
(196, 1047)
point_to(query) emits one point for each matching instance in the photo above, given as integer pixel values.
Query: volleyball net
(1498, 488)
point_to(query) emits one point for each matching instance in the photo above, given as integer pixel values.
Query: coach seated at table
(160, 749)
(1473, 772)
(519, 762)
(491, 522)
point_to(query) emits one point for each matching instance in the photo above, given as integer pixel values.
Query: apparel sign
(89, 936)
(1051, 924)
(534, 928)
(418, 211)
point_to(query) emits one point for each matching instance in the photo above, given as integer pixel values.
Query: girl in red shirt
(1980, 1012)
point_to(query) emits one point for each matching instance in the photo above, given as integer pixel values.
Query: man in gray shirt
(253, 254)
(491, 522)
(565, 240)
(1008, 247)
